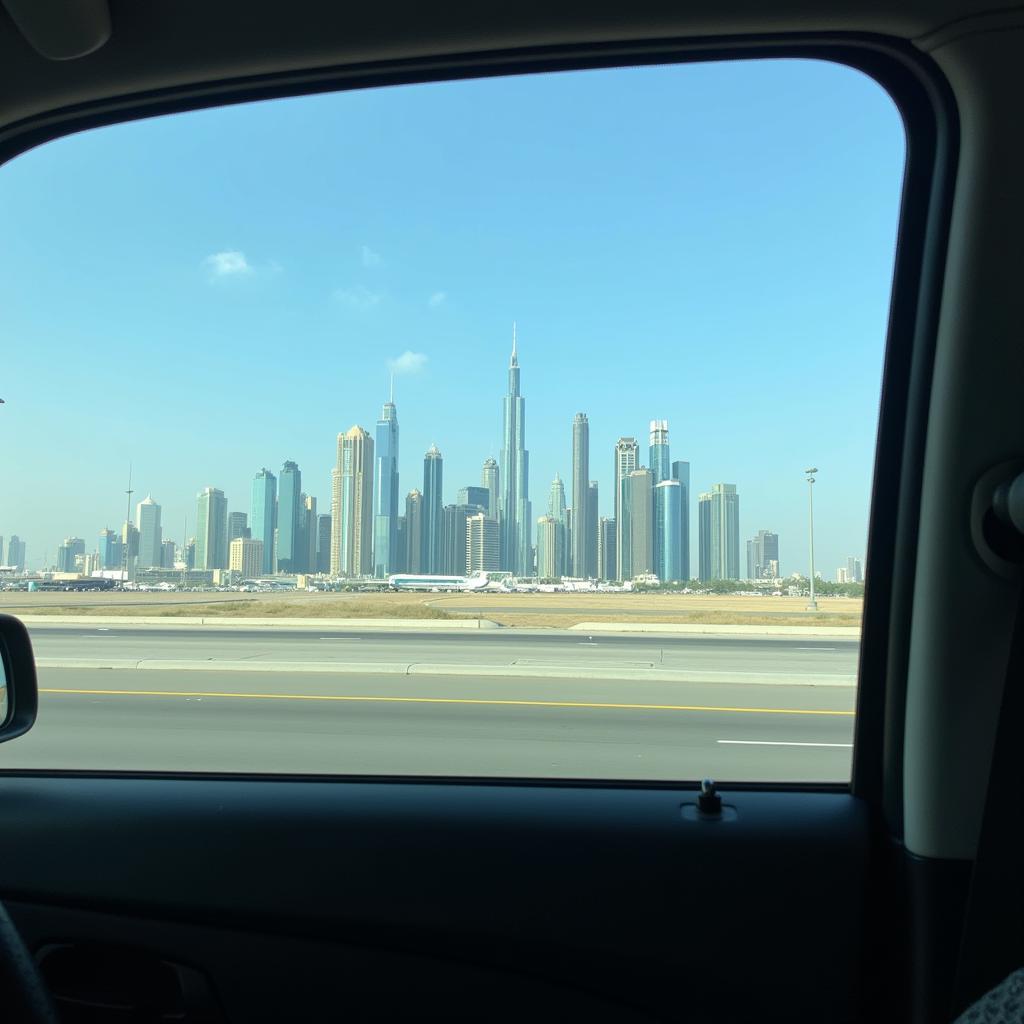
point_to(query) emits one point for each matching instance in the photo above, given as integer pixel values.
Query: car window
(509, 427)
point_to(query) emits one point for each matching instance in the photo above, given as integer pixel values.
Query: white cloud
(229, 263)
(358, 297)
(371, 258)
(407, 363)
(437, 299)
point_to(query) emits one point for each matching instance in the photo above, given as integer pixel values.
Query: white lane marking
(781, 743)
(587, 643)
(102, 629)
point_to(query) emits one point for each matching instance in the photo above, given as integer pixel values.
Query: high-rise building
(289, 553)
(167, 548)
(433, 479)
(385, 490)
(489, 478)
(16, 552)
(129, 549)
(550, 558)
(238, 525)
(842, 574)
(352, 505)
(402, 551)
(606, 567)
(2, 562)
(211, 529)
(626, 450)
(667, 510)
(558, 512)
(719, 539)
(658, 451)
(579, 561)
(414, 531)
(681, 472)
(262, 516)
(482, 543)
(516, 521)
(454, 536)
(90, 563)
(147, 522)
(854, 570)
(246, 557)
(763, 556)
(109, 549)
(592, 515)
(479, 497)
(323, 543)
(641, 522)
(307, 534)
(72, 548)
(190, 553)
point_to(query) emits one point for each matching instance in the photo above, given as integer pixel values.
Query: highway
(504, 703)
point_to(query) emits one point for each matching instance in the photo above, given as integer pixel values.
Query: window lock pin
(708, 801)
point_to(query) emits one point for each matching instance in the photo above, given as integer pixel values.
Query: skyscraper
(516, 542)
(681, 472)
(477, 496)
(592, 511)
(385, 490)
(72, 548)
(238, 526)
(626, 450)
(211, 529)
(16, 552)
(109, 549)
(289, 513)
(433, 474)
(667, 506)
(352, 505)
(641, 522)
(308, 534)
(454, 537)
(246, 557)
(2, 562)
(262, 516)
(659, 451)
(489, 478)
(606, 567)
(763, 556)
(147, 522)
(579, 562)
(167, 555)
(854, 570)
(549, 545)
(482, 543)
(323, 543)
(719, 539)
(414, 531)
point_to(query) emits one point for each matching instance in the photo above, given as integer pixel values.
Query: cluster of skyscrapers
(372, 531)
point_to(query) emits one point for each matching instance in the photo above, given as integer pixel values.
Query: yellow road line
(370, 699)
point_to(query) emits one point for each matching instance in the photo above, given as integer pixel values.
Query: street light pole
(812, 604)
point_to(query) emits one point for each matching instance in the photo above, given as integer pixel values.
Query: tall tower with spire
(385, 490)
(514, 475)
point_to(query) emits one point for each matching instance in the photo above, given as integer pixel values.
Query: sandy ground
(527, 610)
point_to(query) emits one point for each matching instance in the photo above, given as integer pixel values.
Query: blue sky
(206, 294)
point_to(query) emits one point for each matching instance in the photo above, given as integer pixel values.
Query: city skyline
(655, 268)
(652, 501)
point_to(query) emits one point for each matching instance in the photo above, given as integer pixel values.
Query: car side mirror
(19, 693)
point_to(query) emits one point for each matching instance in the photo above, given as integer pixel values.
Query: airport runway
(645, 723)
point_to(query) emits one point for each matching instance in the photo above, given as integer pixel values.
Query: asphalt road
(550, 653)
(381, 724)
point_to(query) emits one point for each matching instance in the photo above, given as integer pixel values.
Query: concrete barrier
(223, 622)
(431, 669)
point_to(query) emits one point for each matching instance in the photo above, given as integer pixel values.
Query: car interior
(157, 896)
